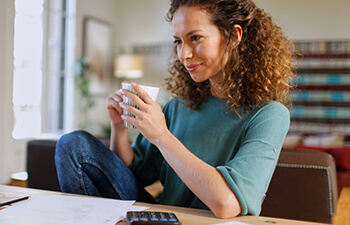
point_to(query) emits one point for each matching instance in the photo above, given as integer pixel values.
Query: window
(43, 67)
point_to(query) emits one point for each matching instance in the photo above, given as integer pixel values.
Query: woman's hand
(119, 134)
(113, 107)
(149, 118)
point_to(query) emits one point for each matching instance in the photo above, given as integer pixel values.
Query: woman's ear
(238, 32)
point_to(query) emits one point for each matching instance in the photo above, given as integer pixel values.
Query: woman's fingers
(142, 93)
(113, 101)
(113, 107)
(135, 99)
(146, 114)
(112, 104)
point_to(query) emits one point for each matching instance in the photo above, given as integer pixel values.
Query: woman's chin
(197, 78)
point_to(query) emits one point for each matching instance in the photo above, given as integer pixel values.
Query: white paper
(231, 223)
(67, 210)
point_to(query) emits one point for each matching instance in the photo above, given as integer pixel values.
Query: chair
(303, 187)
(41, 167)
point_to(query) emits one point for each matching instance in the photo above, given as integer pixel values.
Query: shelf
(323, 104)
(317, 64)
(324, 56)
(321, 120)
(314, 70)
(321, 98)
(323, 88)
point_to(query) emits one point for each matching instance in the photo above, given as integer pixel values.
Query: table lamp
(128, 66)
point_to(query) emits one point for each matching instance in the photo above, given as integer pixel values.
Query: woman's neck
(215, 90)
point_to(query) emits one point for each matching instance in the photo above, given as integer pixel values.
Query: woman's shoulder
(272, 116)
(275, 106)
(279, 109)
(172, 104)
(273, 110)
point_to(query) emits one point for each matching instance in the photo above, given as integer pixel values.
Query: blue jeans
(86, 166)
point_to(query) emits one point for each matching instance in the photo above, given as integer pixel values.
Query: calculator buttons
(151, 218)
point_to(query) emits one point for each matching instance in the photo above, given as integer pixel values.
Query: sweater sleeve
(250, 171)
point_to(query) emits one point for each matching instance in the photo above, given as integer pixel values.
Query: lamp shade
(128, 66)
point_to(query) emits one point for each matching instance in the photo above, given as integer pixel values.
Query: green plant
(82, 72)
(85, 101)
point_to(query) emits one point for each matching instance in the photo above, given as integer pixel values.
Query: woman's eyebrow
(188, 34)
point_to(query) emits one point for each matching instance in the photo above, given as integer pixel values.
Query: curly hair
(260, 69)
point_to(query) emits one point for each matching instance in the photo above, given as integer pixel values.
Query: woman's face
(200, 45)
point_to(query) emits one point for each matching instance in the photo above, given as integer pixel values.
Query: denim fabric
(86, 166)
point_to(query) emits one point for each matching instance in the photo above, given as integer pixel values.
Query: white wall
(142, 22)
(311, 19)
(104, 10)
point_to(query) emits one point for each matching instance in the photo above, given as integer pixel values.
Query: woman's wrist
(164, 138)
(119, 139)
(119, 127)
(119, 134)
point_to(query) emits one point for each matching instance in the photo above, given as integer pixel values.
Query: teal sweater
(244, 149)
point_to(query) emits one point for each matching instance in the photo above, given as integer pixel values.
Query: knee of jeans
(67, 144)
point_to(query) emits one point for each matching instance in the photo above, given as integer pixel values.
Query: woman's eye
(177, 42)
(195, 38)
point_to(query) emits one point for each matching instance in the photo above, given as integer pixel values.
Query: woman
(216, 144)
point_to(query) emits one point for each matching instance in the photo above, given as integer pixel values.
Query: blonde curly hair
(260, 69)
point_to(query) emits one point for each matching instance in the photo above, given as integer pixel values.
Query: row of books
(323, 47)
(322, 79)
(321, 96)
(319, 128)
(320, 112)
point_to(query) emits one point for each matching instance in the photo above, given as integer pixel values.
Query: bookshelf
(321, 101)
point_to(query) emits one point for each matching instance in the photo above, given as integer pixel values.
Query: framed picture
(97, 49)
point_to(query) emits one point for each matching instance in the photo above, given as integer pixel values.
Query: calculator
(151, 218)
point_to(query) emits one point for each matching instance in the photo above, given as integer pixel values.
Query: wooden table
(186, 216)
(342, 215)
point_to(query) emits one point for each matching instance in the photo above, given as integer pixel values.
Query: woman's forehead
(190, 18)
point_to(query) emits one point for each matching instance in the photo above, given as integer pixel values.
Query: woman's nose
(185, 52)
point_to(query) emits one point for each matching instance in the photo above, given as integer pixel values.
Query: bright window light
(27, 77)
(43, 50)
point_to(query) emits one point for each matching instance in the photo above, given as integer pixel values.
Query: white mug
(151, 91)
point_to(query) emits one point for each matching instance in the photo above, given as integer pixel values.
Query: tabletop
(187, 216)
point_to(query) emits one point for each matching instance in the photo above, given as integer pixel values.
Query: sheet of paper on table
(231, 223)
(67, 210)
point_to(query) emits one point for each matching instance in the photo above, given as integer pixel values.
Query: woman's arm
(119, 142)
(204, 180)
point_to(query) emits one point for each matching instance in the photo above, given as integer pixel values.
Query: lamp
(128, 66)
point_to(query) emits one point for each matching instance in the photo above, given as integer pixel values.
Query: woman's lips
(193, 67)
